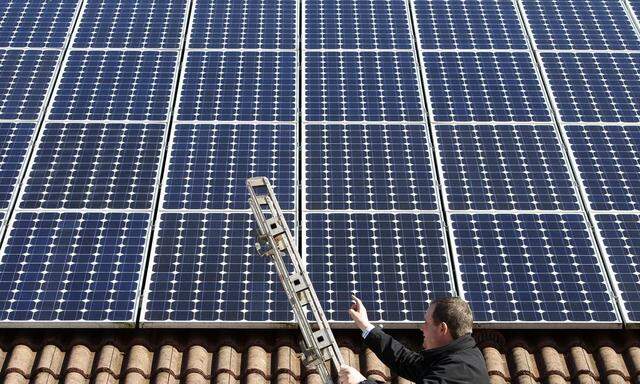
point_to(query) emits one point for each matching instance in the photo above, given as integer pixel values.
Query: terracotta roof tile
(525, 369)
(496, 364)
(374, 369)
(553, 365)
(228, 365)
(49, 365)
(633, 356)
(20, 362)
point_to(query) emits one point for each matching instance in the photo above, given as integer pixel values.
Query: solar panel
(620, 236)
(530, 268)
(361, 86)
(208, 165)
(368, 167)
(94, 166)
(503, 167)
(357, 24)
(471, 24)
(72, 266)
(608, 164)
(484, 86)
(115, 85)
(233, 24)
(15, 139)
(131, 24)
(594, 87)
(25, 76)
(205, 268)
(35, 24)
(580, 24)
(395, 263)
(243, 86)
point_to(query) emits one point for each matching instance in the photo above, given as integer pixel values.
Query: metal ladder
(274, 240)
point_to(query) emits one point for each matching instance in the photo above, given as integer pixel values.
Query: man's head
(446, 319)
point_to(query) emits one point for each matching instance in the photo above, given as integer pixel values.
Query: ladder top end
(259, 181)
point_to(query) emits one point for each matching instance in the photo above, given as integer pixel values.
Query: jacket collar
(457, 345)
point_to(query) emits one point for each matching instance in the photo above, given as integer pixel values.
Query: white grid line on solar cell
(363, 50)
(258, 50)
(551, 51)
(473, 50)
(123, 50)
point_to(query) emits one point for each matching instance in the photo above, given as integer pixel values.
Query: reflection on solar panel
(126, 85)
(608, 164)
(205, 269)
(504, 167)
(94, 166)
(14, 142)
(473, 24)
(263, 24)
(24, 79)
(368, 167)
(484, 86)
(530, 267)
(357, 24)
(395, 263)
(131, 24)
(620, 236)
(36, 24)
(248, 86)
(209, 164)
(72, 266)
(595, 87)
(361, 86)
(580, 24)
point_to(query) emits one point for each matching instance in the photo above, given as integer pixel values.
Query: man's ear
(444, 328)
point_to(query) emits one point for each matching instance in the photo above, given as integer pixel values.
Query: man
(450, 354)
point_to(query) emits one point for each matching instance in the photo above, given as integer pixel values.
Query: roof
(260, 356)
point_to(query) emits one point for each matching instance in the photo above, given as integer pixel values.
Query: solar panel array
(418, 149)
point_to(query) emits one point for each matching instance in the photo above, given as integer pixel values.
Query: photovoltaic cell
(357, 24)
(205, 268)
(361, 86)
(209, 165)
(395, 263)
(25, 76)
(248, 86)
(608, 159)
(620, 235)
(530, 268)
(131, 24)
(595, 87)
(368, 167)
(484, 86)
(35, 24)
(94, 166)
(72, 266)
(233, 24)
(580, 24)
(474, 24)
(504, 167)
(112, 85)
(14, 143)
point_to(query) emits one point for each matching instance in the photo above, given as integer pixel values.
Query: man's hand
(349, 375)
(358, 313)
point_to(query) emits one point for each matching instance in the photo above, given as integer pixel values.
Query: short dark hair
(455, 312)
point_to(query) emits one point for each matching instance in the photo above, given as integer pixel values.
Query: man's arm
(396, 356)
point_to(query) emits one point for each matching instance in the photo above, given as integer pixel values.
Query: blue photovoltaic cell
(72, 266)
(361, 86)
(205, 268)
(368, 167)
(94, 166)
(249, 86)
(530, 267)
(580, 24)
(620, 235)
(473, 24)
(35, 24)
(504, 167)
(131, 24)
(25, 76)
(357, 24)
(484, 86)
(112, 85)
(395, 263)
(14, 143)
(248, 24)
(595, 87)
(608, 160)
(209, 165)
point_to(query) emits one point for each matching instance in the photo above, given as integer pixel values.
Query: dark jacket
(457, 362)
